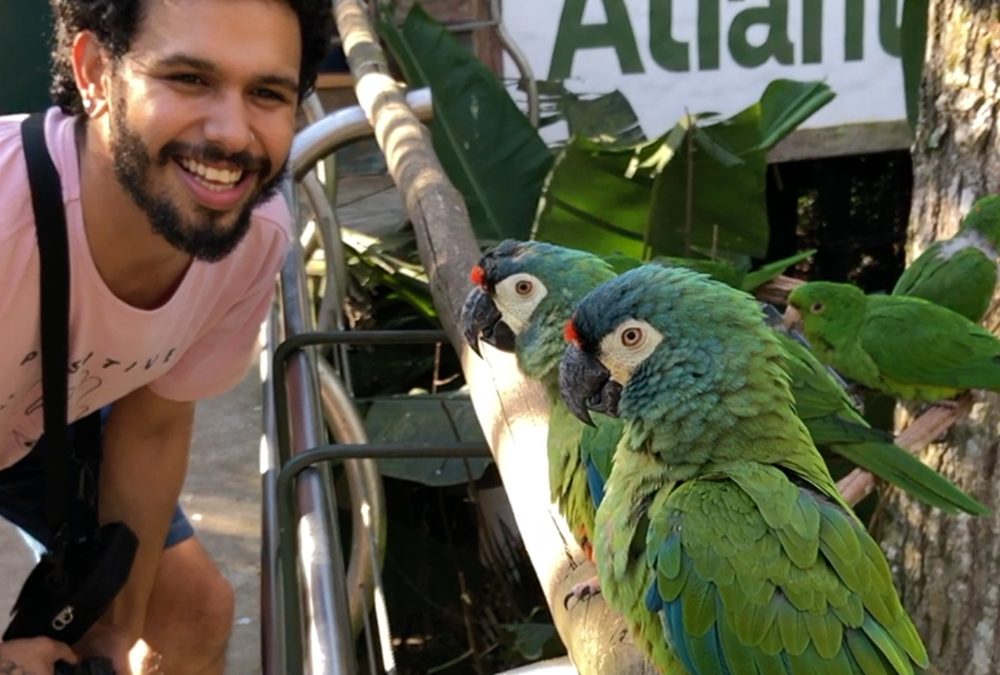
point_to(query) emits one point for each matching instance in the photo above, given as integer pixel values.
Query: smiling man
(174, 123)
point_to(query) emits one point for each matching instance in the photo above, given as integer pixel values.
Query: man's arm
(147, 440)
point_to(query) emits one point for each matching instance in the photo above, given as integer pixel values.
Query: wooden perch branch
(511, 410)
(924, 430)
(776, 290)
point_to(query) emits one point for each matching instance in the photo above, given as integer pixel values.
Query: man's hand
(33, 656)
(107, 640)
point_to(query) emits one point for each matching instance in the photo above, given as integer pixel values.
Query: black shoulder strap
(53, 251)
(53, 255)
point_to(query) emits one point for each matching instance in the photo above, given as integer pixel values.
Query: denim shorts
(22, 498)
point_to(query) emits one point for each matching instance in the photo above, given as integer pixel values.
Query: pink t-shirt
(199, 344)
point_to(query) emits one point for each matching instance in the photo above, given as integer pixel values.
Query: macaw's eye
(817, 308)
(631, 336)
(523, 287)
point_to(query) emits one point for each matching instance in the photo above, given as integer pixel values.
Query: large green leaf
(913, 44)
(710, 197)
(595, 199)
(785, 105)
(485, 143)
(699, 203)
(427, 418)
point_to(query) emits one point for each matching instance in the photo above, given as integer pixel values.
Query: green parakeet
(719, 518)
(906, 347)
(959, 273)
(525, 293)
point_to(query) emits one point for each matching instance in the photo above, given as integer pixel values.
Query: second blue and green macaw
(721, 536)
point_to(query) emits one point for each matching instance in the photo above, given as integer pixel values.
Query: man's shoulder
(15, 195)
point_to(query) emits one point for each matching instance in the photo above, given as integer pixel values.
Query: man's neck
(138, 265)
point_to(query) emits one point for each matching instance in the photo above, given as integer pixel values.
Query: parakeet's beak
(793, 319)
(481, 320)
(585, 384)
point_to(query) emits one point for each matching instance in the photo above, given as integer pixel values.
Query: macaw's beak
(481, 320)
(586, 384)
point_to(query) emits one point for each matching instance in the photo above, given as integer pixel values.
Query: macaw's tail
(895, 465)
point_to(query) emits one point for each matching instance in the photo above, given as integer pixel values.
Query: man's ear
(92, 70)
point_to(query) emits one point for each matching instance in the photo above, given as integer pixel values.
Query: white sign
(669, 57)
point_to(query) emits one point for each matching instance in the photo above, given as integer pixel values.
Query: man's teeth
(214, 179)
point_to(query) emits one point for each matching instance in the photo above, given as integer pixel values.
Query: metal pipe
(341, 127)
(332, 306)
(272, 642)
(312, 110)
(322, 566)
(365, 485)
(303, 461)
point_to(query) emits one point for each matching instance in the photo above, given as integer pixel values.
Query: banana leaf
(710, 196)
(594, 201)
(486, 145)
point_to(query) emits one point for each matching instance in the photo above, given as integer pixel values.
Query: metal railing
(312, 608)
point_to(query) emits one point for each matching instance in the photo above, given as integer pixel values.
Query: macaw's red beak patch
(570, 334)
(478, 276)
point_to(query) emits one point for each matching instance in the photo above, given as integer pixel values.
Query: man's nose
(227, 123)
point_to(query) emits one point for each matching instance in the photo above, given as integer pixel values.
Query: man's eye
(271, 95)
(186, 78)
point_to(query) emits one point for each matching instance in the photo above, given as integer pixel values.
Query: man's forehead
(214, 34)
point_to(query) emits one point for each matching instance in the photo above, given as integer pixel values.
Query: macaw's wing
(755, 574)
(567, 472)
(837, 427)
(597, 450)
(821, 402)
(963, 283)
(912, 341)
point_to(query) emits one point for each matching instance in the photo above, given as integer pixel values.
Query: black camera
(62, 599)
(97, 665)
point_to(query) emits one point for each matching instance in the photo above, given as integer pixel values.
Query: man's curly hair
(114, 22)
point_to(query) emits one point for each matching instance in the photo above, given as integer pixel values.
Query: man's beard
(202, 237)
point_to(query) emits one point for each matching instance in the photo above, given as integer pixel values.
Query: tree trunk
(947, 567)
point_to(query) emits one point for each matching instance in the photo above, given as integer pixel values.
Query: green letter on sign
(573, 35)
(888, 27)
(777, 44)
(668, 53)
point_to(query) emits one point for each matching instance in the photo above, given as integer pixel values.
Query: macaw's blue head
(660, 341)
(525, 291)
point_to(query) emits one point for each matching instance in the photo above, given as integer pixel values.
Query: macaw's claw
(583, 591)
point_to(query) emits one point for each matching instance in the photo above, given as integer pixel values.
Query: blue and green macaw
(525, 292)
(905, 347)
(721, 528)
(959, 273)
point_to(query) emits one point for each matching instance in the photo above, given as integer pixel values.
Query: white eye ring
(524, 287)
(632, 336)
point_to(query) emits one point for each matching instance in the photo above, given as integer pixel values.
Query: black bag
(86, 564)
